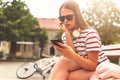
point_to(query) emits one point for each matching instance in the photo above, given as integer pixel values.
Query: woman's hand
(65, 50)
(68, 36)
(62, 27)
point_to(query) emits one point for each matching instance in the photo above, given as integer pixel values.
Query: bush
(1, 54)
(11, 57)
(114, 60)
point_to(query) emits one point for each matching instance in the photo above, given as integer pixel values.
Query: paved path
(8, 71)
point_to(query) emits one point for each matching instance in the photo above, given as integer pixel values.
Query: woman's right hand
(68, 35)
(62, 26)
(65, 50)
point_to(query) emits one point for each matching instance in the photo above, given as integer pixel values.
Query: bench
(112, 51)
(115, 52)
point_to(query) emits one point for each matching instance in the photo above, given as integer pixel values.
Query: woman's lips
(67, 25)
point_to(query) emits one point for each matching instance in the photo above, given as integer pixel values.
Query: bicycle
(41, 67)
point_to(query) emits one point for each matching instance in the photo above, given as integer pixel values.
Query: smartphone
(55, 40)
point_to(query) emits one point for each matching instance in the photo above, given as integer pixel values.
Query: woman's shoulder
(89, 32)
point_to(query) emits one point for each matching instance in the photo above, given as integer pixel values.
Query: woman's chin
(69, 28)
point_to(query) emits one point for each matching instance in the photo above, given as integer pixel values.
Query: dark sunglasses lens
(69, 17)
(62, 18)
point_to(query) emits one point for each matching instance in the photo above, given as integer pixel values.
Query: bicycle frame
(28, 69)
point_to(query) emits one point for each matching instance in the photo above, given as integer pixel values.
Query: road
(8, 71)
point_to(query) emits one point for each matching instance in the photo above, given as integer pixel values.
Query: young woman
(81, 51)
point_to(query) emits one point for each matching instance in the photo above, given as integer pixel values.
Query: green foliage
(2, 20)
(114, 60)
(17, 22)
(1, 54)
(104, 16)
(59, 34)
(41, 36)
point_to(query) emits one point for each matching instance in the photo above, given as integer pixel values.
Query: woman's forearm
(69, 40)
(84, 63)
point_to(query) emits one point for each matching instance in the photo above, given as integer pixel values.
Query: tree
(0, 7)
(105, 17)
(17, 23)
(2, 19)
(59, 34)
(42, 37)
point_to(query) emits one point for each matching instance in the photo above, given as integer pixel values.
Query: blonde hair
(72, 5)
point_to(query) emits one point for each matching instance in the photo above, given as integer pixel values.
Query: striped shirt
(88, 40)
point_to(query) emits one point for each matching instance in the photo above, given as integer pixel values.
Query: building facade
(51, 25)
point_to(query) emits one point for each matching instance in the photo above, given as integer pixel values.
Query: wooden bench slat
(112, 50)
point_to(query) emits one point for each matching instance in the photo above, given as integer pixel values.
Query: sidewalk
(8, 71)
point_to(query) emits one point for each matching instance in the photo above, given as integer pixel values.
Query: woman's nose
(65, 20)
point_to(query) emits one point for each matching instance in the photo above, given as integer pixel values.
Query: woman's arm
(68, 36)
(88, 64)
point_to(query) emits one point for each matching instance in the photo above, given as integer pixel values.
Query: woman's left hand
(65, 50)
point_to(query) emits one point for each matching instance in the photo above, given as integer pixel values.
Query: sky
(50, 8)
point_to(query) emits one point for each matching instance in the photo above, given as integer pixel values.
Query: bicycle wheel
(26, 70)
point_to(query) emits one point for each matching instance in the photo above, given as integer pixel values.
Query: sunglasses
(67, 17)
